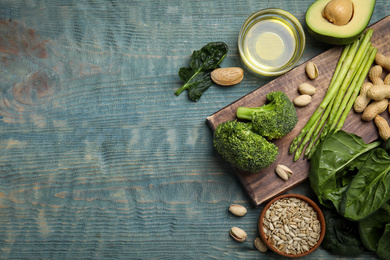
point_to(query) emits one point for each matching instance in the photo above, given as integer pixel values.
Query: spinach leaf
(370, 188)
(197, 78)
(371, 228)
(338, 157)
(384, 244)
(341, 235)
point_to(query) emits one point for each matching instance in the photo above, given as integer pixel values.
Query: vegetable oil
(270, 44)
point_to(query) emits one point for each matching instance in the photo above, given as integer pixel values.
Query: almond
(227, 76)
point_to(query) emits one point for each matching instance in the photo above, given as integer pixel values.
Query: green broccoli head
(273, 120)
(242, 147)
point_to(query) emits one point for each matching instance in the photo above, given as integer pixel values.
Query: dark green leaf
(369, 189)
(341, 235)
(197, 78)
(201, 83)
(338, 157)
(383, 250)
(371, 228)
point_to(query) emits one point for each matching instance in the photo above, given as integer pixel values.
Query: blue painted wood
(98, 158)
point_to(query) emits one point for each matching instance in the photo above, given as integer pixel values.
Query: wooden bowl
(297, 225)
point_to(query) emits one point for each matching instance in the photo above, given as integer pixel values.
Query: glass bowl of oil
(271, 42)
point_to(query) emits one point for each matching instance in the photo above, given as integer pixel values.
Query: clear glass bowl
(271, 42)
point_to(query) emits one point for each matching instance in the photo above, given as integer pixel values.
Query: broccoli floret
(273, 120)
(242, 147)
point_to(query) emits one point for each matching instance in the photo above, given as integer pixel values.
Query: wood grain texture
(264, 185)
(98, 158)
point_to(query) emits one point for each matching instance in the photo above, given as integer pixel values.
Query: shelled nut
(237, 210)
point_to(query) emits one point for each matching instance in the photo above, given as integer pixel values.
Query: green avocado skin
(332, 39)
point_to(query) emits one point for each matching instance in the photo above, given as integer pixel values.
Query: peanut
(383, 61)
(386, 81)
(383, 127)
(374, 109)
(362, 100)
(302, 100)
(379, 92)
(375, 74)
(227, 76)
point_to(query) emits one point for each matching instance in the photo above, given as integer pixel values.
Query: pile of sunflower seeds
(291, 225)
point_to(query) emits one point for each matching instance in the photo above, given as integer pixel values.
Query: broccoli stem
(346, 69)
(245, 113)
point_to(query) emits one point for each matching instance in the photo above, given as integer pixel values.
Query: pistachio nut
(238, 234)
(283, 172)
(311, 70)
(307, 89)
(302, 100)
(259, 244)
(238, 210)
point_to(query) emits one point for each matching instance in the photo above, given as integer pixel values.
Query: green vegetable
(341, 235)
(273, 120)
(369, 189)
(336, 158)
(384, 244)
(197, 77)
(341, 108)
(355, 60)
(353, 178)
(345, 63)
(242, 147)
(371, 228)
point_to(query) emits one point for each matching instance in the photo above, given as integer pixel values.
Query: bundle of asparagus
(351, 70)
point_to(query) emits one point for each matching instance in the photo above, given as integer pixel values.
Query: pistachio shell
(311, 70)
(238, 210)
(259, 244)
(283, 172)
(306, 88)
(238, 234)
(302, 100)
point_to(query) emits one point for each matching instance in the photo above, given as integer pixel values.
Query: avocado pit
(339, 12)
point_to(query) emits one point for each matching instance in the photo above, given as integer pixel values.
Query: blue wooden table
(98, 158)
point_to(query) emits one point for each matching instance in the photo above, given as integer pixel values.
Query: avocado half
(321, 29)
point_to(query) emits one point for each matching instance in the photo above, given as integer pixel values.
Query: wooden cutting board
(264, 185)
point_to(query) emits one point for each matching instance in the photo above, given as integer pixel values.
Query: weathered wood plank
(98, 158)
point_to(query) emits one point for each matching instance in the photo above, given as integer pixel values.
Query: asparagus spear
(351, 97)
(347, 52)
(349, 63)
